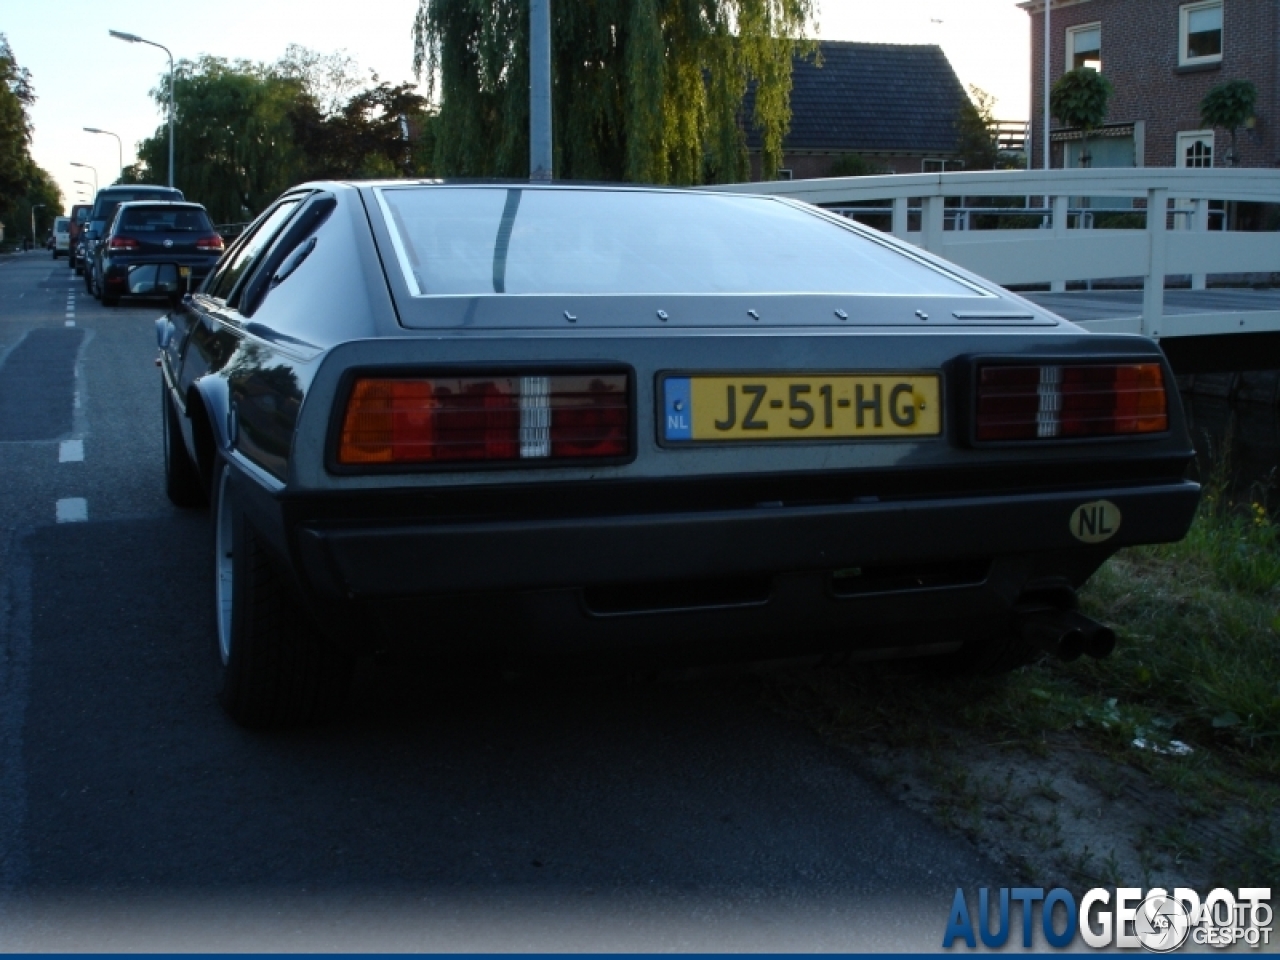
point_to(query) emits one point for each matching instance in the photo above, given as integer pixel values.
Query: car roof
(162, 204)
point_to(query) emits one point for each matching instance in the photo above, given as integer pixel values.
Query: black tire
(181, 478)
(88, 280)
(276, 669)
(109, 300)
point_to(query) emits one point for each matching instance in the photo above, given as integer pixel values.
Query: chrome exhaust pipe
(1066, 634)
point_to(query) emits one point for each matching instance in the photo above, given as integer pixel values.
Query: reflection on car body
(555, 422)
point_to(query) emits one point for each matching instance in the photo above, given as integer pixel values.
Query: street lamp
(134, 38)
(94, 170)
(34, 207)
(119, 146)
(95, 191)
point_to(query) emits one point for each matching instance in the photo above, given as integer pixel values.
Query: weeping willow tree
(642, 90)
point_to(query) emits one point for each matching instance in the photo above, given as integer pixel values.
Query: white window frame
(1187, 137)
(1069, 52)
(1184, 17)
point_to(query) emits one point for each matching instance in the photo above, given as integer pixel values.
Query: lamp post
(119, 147)
(34, 207)
(93, 170)
(134, 38)
(87, 184)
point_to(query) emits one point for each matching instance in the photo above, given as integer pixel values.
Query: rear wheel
(181, 478)
(276, 669)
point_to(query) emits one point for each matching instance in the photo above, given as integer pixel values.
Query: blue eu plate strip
(677, 412)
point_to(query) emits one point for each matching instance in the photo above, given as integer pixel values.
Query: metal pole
(1047, 51)
(93, 170)
(119, 147)
(33, 223)
(134, 38)
(540, 90)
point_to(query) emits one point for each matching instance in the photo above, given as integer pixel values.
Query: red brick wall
(1140, 58)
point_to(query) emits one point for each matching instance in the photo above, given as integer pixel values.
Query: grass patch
(1197, 664)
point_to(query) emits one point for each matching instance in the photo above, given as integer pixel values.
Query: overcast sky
(84, 78)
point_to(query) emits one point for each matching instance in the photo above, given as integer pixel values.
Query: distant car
(556, 422)
(104, 208)
(145, 236)
(61, 239)
(75, 242)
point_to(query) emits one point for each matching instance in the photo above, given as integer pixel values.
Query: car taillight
(211, 244)
(1062, 401)
(122, 243)
(451, 419)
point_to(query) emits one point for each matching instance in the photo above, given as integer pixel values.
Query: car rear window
(62, 224)
(454, 241)
(105, 206)
(164, 220)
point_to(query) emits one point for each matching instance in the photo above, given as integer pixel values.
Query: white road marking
(73, 510)
(71, 323)
(71, 451)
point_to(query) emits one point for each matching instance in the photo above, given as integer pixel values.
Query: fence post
(1199, 223)
(1059, 232)
(1153, 287)
(931, 214)
(899, 228)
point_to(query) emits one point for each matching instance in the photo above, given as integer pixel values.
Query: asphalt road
(441, 812)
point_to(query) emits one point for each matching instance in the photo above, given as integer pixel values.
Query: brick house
(894, 105)
(1162, 57)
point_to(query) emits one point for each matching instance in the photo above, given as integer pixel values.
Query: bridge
(1083, 238)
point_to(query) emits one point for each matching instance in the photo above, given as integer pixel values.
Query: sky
(85, 78)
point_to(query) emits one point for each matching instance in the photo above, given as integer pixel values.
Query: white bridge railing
(1067, 246)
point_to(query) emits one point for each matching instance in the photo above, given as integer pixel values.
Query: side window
(1084, 47)
(247, 251)
(1200, 33)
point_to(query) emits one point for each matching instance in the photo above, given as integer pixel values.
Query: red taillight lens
(122, 243)
(444, 419)
(210, 244)
(1052, 401)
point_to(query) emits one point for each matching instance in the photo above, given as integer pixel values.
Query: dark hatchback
(155, 249)
(560, 423)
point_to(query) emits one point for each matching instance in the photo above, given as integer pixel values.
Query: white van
(61, 237)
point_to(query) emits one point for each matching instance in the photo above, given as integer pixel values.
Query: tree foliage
(1229, 105)
(642, 90)
(247, 131)
(1079, 99)
(23, 183)
(976, 131)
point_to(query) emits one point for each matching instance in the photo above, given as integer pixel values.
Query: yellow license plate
(809, 407)
(184, 271)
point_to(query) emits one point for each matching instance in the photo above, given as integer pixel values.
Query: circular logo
(168, 242)
(1161, 924)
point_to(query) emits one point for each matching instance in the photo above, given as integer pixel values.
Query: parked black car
(533, 422)
(145, 236)
(104, 208)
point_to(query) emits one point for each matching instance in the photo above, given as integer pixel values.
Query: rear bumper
(878, 578)
(399, 560)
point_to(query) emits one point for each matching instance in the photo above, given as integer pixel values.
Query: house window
(1200, 33)
(784, 173)
(931, 165)
(1195, 148)
(1084, 47)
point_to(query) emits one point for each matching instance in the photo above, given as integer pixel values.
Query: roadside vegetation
(1157, 765)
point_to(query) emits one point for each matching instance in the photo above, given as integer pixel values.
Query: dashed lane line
(71, 451)
(72, 510)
